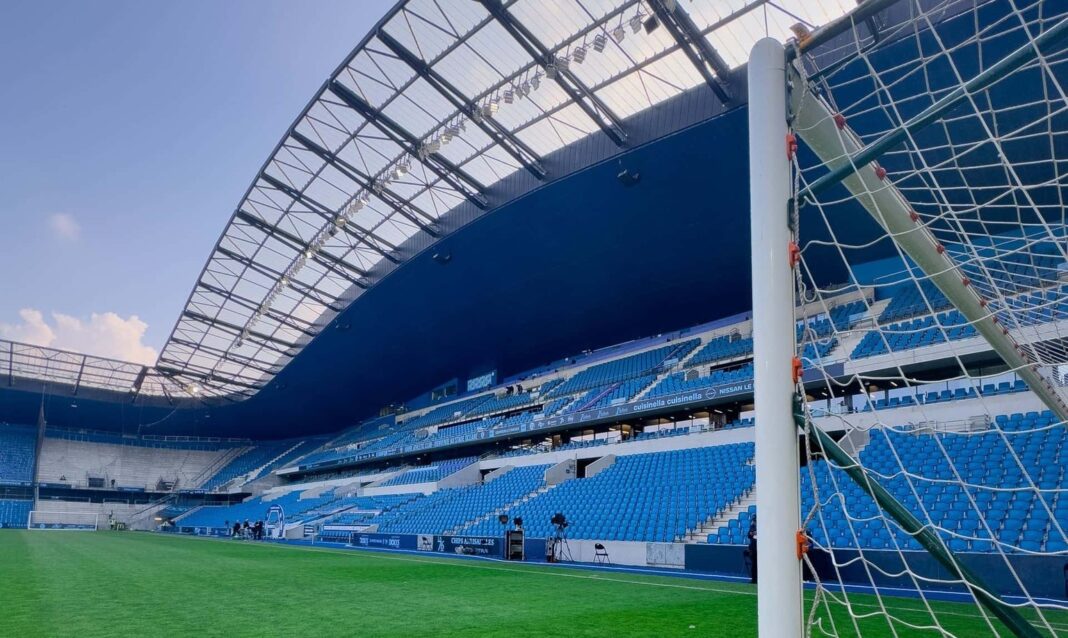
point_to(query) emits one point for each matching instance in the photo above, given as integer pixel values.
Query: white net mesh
(83, 521)
(939, 366)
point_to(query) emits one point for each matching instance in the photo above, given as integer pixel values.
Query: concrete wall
(468, 475)
(128, 465)
(601, 464)
(563, 471)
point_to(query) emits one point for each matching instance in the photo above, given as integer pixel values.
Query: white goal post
(909, 225)
(71, 521)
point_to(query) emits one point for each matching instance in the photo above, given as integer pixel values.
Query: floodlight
(550, 71)
(364, 197)
(599, 41)
(535, 81)
(636, 23)
(651, 24)
(618, 34)
(563, 64)
(509, 96)
(579, 56)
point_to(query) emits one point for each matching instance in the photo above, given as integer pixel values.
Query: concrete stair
(721, 519)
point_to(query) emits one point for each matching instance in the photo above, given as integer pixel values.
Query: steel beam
(254, 305)
(323, 257)
(308, 291)
(281, 345)
(708, 62)
(491, 127)
(366, 182)
(586, 99)
(450, 173)
(227, 355)
(209, 378)
(864, 12)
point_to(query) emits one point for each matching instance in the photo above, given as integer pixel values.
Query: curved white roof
(441, 101)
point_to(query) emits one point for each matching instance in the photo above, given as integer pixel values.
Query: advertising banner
(470, 545)
(384, 541)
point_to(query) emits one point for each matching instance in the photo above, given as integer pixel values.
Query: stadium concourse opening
(484, 349)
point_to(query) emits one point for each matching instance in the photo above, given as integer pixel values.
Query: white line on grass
(470, 564)
(534, 569)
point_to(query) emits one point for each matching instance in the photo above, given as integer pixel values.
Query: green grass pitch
(138, 584)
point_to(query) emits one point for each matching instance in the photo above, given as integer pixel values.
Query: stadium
(538, 307)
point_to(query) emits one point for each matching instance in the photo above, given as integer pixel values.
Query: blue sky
(128, 132)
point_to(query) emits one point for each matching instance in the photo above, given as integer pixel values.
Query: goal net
(926, 154)
(79, 521)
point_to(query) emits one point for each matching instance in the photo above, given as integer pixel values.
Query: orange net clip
(802, 544)
(793, 253)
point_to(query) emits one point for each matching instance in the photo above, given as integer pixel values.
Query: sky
(129, 130)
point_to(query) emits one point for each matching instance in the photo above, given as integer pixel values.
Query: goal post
(779, 610)
(909, 194)
(70, 521)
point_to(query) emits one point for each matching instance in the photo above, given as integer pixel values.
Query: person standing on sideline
(753, 551)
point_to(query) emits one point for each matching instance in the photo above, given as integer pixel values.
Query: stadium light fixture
(618, 34)
(636, 23)
(579, 55)
(599, 42)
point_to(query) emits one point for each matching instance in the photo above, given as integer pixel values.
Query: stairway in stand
(722, 519)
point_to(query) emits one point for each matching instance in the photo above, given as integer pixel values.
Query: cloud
(64, 226)
(103, 335)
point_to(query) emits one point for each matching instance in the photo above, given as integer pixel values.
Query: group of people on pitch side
(247, 531)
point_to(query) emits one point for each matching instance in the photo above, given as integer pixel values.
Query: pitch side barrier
(1047, 575)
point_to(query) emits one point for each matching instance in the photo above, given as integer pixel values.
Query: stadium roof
(434, 108)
